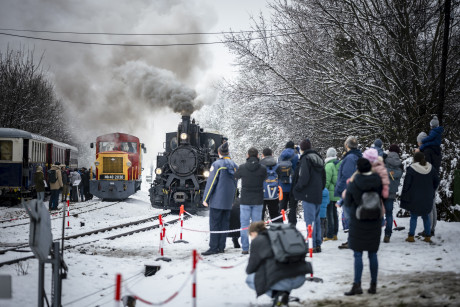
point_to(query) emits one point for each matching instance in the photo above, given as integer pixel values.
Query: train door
(25, 163)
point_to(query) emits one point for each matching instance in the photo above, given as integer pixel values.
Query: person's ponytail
(420, 158)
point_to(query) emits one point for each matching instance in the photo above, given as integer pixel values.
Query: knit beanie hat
(421, 136)
(434, 123)
(223, 149)
(331, 153)
(371, 154)
(394, 148)
(352, 142)
(290, 144)
(378, 143)
(363, 165)
(305, 145)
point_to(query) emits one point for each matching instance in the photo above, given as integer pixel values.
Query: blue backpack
(271, 189)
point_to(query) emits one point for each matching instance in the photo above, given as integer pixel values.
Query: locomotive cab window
(6, 150)
(211, 144)
(106, 146)
(129, 147)
(173, 143)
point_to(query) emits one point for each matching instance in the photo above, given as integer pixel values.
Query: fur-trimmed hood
(421, 169)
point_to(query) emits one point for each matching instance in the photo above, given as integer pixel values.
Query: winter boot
(280, 298)
(428, 240)
(356, 289)
(386, 239)
(236, 244)
(334, 238)
(410, 239)
(344, 245)
(372, 289)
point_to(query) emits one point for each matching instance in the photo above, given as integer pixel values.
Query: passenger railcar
(20, 154)
(183, 168)
(118, 166)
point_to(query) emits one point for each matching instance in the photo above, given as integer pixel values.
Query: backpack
(52, 178)
(271, 190)
(370, 207)
(288, 244)
(285, 170)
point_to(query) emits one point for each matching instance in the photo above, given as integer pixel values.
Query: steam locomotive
(182, 170)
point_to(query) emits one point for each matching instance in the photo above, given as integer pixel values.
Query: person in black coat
(308, 185)
(265, 274)
(364, 235)
(252, 175)
(418, 192)
(235, 221)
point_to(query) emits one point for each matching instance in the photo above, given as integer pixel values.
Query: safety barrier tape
(169, 299)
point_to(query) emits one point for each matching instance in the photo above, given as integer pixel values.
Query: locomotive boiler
(183, 168)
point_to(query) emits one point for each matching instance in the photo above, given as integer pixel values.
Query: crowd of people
(321, 186)
(70, 183)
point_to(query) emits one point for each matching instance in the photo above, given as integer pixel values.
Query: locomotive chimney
(184, 129)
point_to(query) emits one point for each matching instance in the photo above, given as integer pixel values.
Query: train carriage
(20, 154)
(118, 166)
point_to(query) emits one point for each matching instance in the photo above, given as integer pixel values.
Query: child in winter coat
(378, 167)
(434, 138)
(323, 212)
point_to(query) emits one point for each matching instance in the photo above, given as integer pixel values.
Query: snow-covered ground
(410, 274)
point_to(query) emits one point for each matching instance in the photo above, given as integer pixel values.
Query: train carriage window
(6, 150)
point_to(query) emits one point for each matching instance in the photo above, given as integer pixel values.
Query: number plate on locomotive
(112, 177)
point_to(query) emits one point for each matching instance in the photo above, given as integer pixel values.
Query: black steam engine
(182, 170)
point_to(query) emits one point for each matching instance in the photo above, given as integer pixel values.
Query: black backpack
(52, 178)
(288, 244)
(285, 170)
(370, 207)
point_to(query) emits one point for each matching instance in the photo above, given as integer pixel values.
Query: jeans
(373, 264)
(346, 217)
(332, 220)
(289, 202)
(82, 193)
(311, 216)
(41, 196)
(54, 199)
(389, 216)
(433, 215)
(218, 220)
(413, 224)
(273, 209)
(287, 284)
(248, 213)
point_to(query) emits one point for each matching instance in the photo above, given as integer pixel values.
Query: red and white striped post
(162, 236)
(283, 213)
(68, 213)
(181, 216)
(195, 260)
(118, 290)
(310, 244)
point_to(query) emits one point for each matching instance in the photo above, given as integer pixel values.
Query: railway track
(89, 233)
(57, 214)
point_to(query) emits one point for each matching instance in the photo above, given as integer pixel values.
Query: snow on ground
(417, 274)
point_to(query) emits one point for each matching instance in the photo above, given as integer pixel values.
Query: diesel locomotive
(183, 168)
(118, 166)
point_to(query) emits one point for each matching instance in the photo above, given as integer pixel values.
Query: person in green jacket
(332, 167)
(39, 180)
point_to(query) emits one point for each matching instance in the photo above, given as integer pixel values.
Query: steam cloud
(108, 89)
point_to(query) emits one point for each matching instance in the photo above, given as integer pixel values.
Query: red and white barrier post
(162, 236)
(118, 290)
(310, 244)
(181, 216)
(195, 260)
(283, 213)
(68, 214)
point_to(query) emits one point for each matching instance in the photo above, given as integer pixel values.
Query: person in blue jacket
(323, 212)
(219, 195)
(289, 154)
(346, 170)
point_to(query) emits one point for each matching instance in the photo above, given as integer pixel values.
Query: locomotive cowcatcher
(118, 166)
(183, 168)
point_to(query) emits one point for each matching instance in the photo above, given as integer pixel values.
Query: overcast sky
(129, 89)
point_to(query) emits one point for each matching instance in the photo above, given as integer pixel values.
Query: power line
(132, 34)
(140, 45)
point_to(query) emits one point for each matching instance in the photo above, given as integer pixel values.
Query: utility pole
(445, 51)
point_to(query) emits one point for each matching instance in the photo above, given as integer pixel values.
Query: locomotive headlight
(206, 174)
(96, 163)
(183, 136)
(129, 164)
(158, 171)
